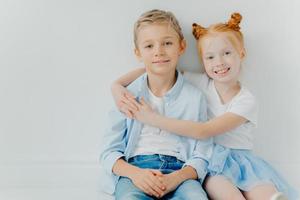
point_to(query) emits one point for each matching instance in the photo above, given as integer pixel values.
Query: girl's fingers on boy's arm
(129, 94)
(125, 109)
(131, 104)
(143, 102)
(134, 101)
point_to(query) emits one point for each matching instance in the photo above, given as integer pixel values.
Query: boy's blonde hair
(157, 16)
(231, 29)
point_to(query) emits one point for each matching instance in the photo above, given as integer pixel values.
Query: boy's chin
(161, 72)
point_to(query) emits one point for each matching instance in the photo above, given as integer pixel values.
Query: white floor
(52, 194)
(73, 181)
(51, 182)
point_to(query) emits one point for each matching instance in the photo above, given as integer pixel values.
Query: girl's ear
(182, 47)
(242, 53)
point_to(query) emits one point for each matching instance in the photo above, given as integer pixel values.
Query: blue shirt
(182, 101)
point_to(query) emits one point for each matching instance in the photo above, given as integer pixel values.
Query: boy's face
(159, 48)
(221, 60)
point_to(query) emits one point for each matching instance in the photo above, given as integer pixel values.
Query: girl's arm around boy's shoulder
(120, 92)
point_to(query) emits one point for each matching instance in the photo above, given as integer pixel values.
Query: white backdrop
(58, 58)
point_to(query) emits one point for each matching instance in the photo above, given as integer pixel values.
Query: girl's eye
(209, 57)
(227, 53)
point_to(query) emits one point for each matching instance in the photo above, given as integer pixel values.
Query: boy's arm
(202, 149)
(112, 158)
(113, 146)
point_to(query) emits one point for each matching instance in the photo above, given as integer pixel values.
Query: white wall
(58, 57)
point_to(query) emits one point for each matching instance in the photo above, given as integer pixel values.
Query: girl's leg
(262, 192)
(218, 187)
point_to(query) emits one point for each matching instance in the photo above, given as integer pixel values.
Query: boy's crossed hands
(154, 183)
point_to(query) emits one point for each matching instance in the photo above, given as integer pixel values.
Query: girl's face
(221, 60)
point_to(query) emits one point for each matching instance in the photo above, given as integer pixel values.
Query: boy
(144, 161)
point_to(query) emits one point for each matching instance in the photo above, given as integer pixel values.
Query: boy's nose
(159, 51)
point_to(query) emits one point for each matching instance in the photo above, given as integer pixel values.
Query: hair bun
(198, 30)
(234, 21)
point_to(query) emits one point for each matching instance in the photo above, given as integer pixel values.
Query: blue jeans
(190, 189)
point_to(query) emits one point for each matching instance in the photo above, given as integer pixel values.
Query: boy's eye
(209, 57)
(168, 43)
(149, 46)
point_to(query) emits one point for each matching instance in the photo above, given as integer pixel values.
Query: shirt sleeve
(246, 106)
(114, 143)
(203, 148)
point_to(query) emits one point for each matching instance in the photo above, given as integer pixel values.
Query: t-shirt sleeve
(199, 80)
(246, 106)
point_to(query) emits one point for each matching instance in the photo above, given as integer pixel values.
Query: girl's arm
(127, 78)
(198, 130)
(121, 94)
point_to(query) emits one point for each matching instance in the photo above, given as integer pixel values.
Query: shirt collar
(172, 94)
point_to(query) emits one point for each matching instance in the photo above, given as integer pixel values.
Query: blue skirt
(245, 170)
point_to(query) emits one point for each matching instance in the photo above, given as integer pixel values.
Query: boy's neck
(161, 84)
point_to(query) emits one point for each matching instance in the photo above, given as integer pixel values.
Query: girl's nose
(219, 61)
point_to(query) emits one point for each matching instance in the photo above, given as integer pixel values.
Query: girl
(234, 172)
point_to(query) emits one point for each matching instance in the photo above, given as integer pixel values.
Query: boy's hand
(148, 181)
(121, 95)
(171, 181)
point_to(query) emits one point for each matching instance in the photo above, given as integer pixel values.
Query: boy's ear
(137, 54)
(182, 47)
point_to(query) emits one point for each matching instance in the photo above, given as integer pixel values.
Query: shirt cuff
(111, 160)
(200, 166)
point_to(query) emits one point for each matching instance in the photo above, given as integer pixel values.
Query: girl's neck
(227, 91)
(160, 85)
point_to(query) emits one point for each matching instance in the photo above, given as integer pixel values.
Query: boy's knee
(192, 189)
(134, 195)
(125, 190)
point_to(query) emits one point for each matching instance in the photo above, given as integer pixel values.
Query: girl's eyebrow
(167, 37)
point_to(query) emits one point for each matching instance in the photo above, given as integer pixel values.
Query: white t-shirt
(153, 140)
(243, 104)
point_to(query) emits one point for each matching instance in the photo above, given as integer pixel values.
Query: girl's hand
(144, 113)
(121, 95)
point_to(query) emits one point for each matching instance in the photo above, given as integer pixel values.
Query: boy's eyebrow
(166, 37)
